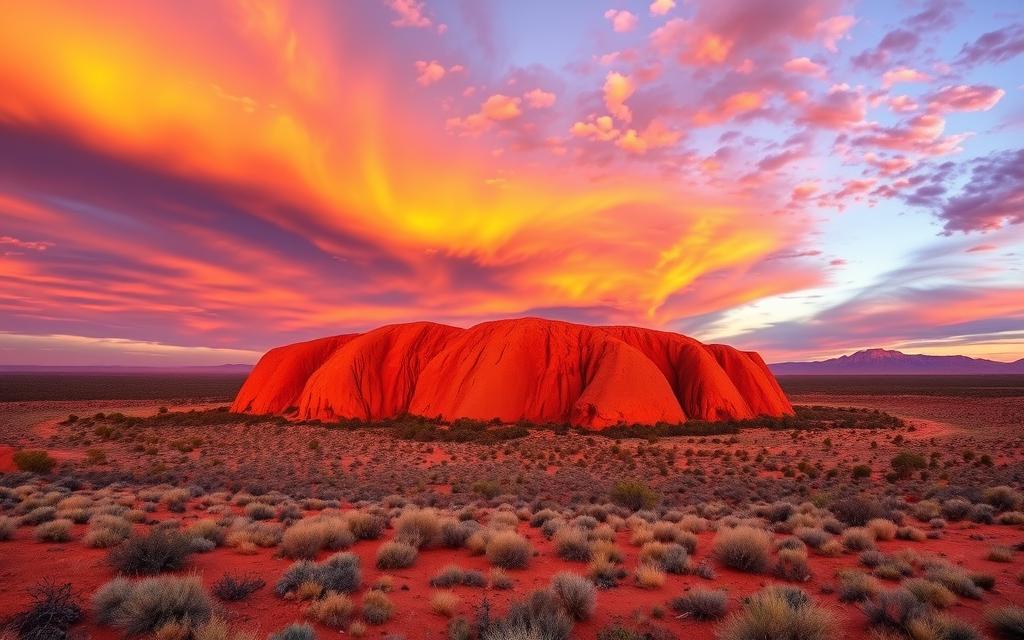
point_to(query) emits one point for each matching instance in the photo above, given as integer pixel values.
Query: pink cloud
(903, 75)
(734, 105)
(841, 108)
(921, 134)
(834, 29)
(889, 166)
(902, 104)
(661, 7)
(692, 44)
(805, 66)
(965, 98)
(25, 244)
(429, 72)
(539, 99)
(410, 13)
(622, 21)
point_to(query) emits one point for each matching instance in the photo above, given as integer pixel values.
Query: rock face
(524, 369)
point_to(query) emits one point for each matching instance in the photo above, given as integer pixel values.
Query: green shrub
(34, 460)
(633, 495)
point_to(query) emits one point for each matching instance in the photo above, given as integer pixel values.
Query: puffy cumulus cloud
(965, 98)
(496, 108)
(655, 135)
(993, 47)
(410, 13)
(661, 7)
(690, 43)
(902, 75)
(805, 66)
(621, 20)
(992, 197)
(429, 72)
(601, 128)
(617, 89)
(738, 104)
(539, 99)
(501, 107)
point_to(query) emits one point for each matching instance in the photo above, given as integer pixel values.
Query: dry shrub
(701, 604)
(396, 555)
(649, 576)
(575, 593)
(508, 550)
(146, 605)
(445, 603)
(333, 610)
(780, 612)
(377, 607)
(743, 548)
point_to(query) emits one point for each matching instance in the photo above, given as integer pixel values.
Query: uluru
(525, 369)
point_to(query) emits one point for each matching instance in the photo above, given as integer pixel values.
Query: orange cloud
(734, 105)
(538, 99)
(617, 89)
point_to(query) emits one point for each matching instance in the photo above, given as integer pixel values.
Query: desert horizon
(494, 320)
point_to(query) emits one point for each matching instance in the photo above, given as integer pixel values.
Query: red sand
(525, 369)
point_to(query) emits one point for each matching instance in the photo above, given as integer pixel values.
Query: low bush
(743, 548)
(34, 461)
(396, 555)
(508, 550)
(858, 539)
(333, 610)
(792, 565)
(294, 631)
(232, 588)
(856, 586)
(156, 552)
(540, 616)
(572, 543)
(881, 528)
(377, 607)
(58, 530)
(649, 575)
(998, 553)
(306, 538)
(54, 609)
(930, 593)
(1008, 621)
(633, 495)
(780, 612)
(701, 604)
(8, 526)
(575, 593)
(365, 526)
(418, 528)
(339, 573)
(445, 603)
(896, 609)
(146, 605)
(500, 580)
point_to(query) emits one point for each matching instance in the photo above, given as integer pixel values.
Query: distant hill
(889, 362)
(114, 369)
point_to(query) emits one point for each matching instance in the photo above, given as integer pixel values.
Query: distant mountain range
(196, 369)
(888, 362)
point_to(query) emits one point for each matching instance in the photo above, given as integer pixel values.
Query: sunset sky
(195, 182)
